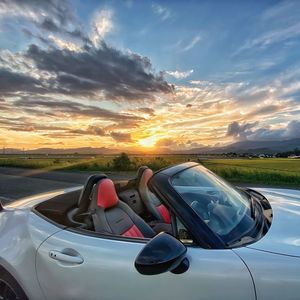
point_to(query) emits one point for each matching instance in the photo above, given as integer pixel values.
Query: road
(16, 183)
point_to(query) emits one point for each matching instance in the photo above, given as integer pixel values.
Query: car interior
(121, 208)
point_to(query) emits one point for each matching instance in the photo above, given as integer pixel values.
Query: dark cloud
(49, 25)
(245, 131)
(73, 108)
(121, 137)
(266, 110)
(31, 35)
(91, 130)
(147, 110)
(189, 105)
(116, 74)
(238, 130)
(58, 10)
(26, 125)
(56, 16)
(105, 71)
(293, 129)
(100, 71)
(13, 82)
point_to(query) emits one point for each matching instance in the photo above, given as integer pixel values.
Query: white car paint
(108, 270)
(283, 236)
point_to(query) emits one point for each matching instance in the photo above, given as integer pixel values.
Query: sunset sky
(145, 75)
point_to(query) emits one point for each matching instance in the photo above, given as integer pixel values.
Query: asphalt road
(16, 183)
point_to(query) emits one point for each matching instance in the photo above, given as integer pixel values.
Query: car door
(72, 265)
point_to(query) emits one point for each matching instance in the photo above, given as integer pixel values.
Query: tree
(122, 162)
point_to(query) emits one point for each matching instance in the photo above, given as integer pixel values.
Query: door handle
(66, 257)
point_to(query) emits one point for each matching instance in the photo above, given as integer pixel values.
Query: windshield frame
(161, 185)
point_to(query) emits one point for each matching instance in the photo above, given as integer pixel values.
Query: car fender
(21, 233)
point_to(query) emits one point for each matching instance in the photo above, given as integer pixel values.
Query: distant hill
(252, 147)
(82, 150)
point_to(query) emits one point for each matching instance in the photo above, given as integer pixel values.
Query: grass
(271, 171)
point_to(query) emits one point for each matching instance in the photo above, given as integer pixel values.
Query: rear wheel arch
(10, 280)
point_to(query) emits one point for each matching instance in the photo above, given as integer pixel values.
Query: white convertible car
(180, 233)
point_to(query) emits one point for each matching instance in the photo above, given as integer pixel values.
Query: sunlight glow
(149, 141)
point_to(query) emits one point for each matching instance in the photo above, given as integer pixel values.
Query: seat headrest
(147, 174)
(140, 172)
(105, 193)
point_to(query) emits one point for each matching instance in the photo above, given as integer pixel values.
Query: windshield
(225, 209)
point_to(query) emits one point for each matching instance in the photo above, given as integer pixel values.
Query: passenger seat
(152, 203)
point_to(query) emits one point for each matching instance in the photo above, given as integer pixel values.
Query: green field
(271, 171)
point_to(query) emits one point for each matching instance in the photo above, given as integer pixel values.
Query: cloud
(91, 130)
(265, 110)
(121, 137)
(180, 74)
(59, 107)
(147, 110)
(54, 12)
(103, 73)
(192, 43)
(272, 37)
(246, 131)
(13, 81)
(72, 67)
(165, 142)
(116, 74)
(102, 24)
(277, 24)
(177, 144)
(163, 12)
(238, 130)
(62, 44)
(293, 129)
(201, 82)
(53, 16)
(279, 10)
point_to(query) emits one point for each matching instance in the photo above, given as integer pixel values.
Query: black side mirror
(162, 254)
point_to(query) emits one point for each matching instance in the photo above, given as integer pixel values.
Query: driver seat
(152, 203)
(112, 216)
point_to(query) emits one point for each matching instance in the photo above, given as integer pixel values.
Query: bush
(122, 163)
(158, 163)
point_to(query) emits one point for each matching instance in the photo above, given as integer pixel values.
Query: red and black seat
(112, 216)
(152, 203)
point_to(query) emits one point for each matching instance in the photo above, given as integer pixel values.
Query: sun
(148, 142)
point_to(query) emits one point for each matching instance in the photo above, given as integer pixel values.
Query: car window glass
(217, 203)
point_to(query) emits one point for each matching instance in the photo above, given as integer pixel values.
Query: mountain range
(252, 147)
(246, 146)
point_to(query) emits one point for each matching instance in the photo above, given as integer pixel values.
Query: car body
(52, 260)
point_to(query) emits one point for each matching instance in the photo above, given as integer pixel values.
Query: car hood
(283, 236)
